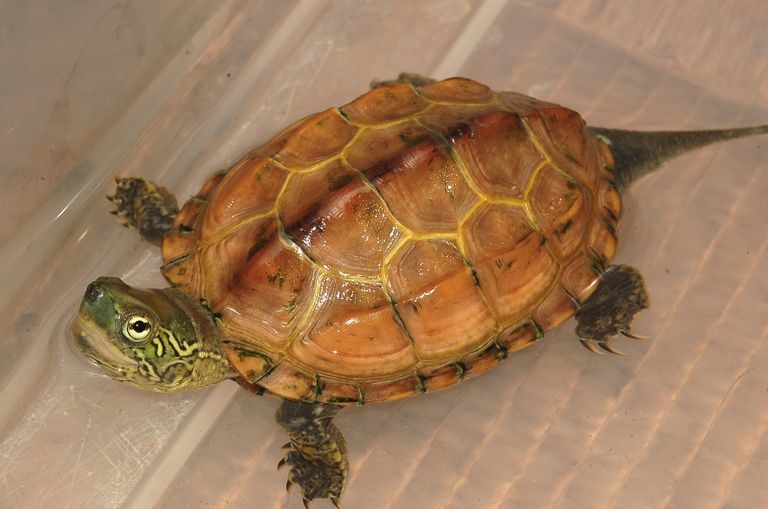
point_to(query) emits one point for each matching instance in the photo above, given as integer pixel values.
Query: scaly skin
(158, 340)
(144, 205)
(317, 452)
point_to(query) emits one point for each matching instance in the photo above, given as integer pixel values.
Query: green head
(157, 340)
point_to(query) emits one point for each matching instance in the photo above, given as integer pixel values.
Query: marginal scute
(442, 376)
(425, 190)
(521, 104)
(448, 119)
(180, 252)
(518, 336)
(339, 392)
(579, 277)
(556, 308)
(457, 90)
(183, 273)
(495, 168)
(391, 390)
(287, 380)
(552, 196)
(602, 241)
(189, 215)
(384, 104)
(438, 300)
(178, 244)
(210, 184)
(253, 364)
(609, 199)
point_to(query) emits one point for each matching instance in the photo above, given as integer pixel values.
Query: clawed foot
(592, 344)
(609, 311)
(315, 477)
(144, 205)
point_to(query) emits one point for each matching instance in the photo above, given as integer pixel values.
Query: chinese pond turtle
(398, 245)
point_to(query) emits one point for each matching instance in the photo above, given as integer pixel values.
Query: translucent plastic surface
(175, 90)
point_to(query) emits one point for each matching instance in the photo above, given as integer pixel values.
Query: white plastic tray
(175, 90)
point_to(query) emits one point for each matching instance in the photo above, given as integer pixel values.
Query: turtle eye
(137, 328)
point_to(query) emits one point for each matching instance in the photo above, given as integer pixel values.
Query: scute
(401, 243)
(439, 301)
(349, 234)
(353, 333)
(498, 171)
(425, 189)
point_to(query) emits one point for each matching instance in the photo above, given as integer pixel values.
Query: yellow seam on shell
(276, 162)
(298, 330)
(532, 179)
(234, 227)
(481, 198)
(407, 234)
(288, 242)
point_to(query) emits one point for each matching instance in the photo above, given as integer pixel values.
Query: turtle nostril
(93, 292)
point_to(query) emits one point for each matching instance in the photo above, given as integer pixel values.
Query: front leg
(619, 296)
(317, 452)
(146, 206)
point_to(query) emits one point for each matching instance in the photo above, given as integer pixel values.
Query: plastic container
(176, 90)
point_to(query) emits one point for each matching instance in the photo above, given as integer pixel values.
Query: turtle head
(154, 339)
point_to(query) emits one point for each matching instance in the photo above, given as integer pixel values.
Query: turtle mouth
(94, 344)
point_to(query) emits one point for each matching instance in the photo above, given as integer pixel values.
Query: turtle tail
(638, 153)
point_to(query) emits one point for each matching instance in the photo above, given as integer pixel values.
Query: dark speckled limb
(144, 205)
(417, 80)
(317, 452)
(609, 311)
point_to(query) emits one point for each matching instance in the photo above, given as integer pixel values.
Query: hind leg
(317, 452)
(144, 205)
(609, 311)
(417, 80)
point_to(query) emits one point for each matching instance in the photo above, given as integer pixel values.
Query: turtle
(391, 247)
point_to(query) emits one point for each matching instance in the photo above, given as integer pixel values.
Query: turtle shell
(401, 243)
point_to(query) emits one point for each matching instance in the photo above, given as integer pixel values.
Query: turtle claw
(288, 485)
(628, 333)
(336, 503)
(589, 344)
(286, 447)
(608, 348)
(306, 502)
(281, 463)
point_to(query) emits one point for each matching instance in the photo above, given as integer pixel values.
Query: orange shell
(401, 243)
